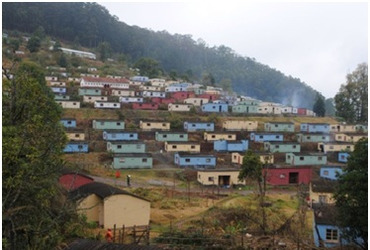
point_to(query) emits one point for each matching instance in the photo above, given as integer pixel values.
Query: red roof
(106, 79)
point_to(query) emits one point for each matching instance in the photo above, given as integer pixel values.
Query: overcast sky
(319, 43)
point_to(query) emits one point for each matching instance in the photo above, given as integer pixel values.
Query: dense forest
(91, 25)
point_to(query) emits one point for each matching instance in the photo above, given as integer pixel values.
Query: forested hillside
(90, 25)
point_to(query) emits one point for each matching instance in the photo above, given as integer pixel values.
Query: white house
(79, 53)
(69, 104)
(93, 99)
(101, 82)
(128, 99)
(107, 105)
(154, 94)
(179, 107)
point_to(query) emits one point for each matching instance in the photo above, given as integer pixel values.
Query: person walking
(109, 235)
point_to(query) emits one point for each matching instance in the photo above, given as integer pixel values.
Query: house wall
(69, 104)
(128, 99)
(171, 136)
(196, 101)
(307, 159)
(315, 128)
(321, 229)
(122, 147)
(148, 106)
(75, 136)
(313, 138)
(107, 105)
(330, 172)
(348, 137)
(282, 148)
(93, 99)
(259, 137)
(179, 107)
(68, 123)
(342, 157)
(120, 136)
(280, 176)
(61, 97)
(76, 148)
(154, 125)
(106, 124)
(121, 92)
(240, 125)
(212, 177)
(219, 136)
(214, 107)
(132, 162)
(125, 210)
(197, 126)
(181, 147)
(335, 147)
(188, 160)
(279, 127)
(342, 128)
(264, 158)
(230, 146)
(93, 92)
(91, 206)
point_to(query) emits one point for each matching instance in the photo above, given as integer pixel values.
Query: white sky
(318, 43)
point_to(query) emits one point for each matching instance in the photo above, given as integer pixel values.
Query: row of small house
(130, 152)
(179, 97)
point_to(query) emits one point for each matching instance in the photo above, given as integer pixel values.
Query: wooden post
(148, 235)
(134, 234)
(114, 233)
(123, 234)
(119, 236)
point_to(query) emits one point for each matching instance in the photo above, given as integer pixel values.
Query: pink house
(148, 106)
(159, 100)
(182, 95)
(209, 97)
(286, 176)
(302, 111)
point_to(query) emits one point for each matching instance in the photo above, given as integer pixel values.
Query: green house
(126, 146)
(299, 159)
(282, 147)
(89, 91)
(279, 126)
(108, 124)
(313, 137)
(244, 109)
(171, 136)
(127, 161)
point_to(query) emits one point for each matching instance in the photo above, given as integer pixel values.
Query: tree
(329, 107)
(104, 50)
(148, 67)
(35, 214)
(352, 195)
(252, 168)
(56, 46)
(33, 44)
(351, 100)
(62, 60)
(319, 106)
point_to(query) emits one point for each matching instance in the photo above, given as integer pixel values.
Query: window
(69, 122)
(308, 137)
(277, 137)
(229, 136)
(148, 124)
(80, 147)
(144, 160)
(323, 138)
(118, 124)
(164, 124)
(261, 136)
(101, 105)
(115, 105)
(208, 160)
(331, 147)
(74, 103)
(102, 123)
(288, 157)
(121, 160)
(181, 136)
(192, 147)
(164, 136)
(301, 158)
(138, 146)
(211, 178)
(294, 146)
(213, 136)
(119, 146)
(77, 135)
(208, 125)
(174, 146)
(319, 158)
(131, 135)
(277, 146)
(187, 160)
(325, 172)
(332, 235)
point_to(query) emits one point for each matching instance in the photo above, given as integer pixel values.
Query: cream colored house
(182, 147)
(321, 191)
(349, 137)
(149, 125)
(265, 158)
(179, 107)
(237, 125)
(219, 136)
(69, 104)
(109, 206)
(219, 177)
(269, 108)
(93, 99)
(59, 84)
(196, 101)
(150, 88)
(344, 128)
(75, 136)
(123, 92)
(335, 146)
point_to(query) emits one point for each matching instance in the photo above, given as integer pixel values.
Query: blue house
(325, 230)
(195, 161)
(230, 146)
(330, 173)
(279, 126)
(108, 124)
(114, 135)
(139, 79)
(176, 87)
(262, 137)
(215, 107)
(199, 126)
(129, 161)
(343, 157)
(76, 147)
(59, 90)
(315, 127)
(68, 122)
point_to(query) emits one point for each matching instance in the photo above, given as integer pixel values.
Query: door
(224, 180)
(293, 178)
